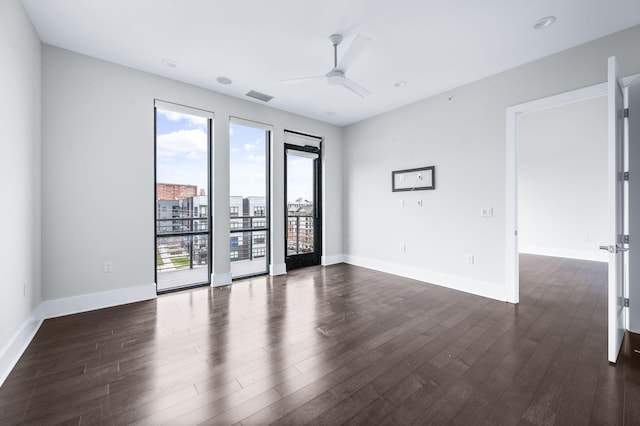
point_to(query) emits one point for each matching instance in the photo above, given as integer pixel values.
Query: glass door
(182, 213)
(302, 188)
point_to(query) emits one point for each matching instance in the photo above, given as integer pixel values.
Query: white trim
(220, 280)
(332, 260)
(14, 349)
(479, 288)
(277, 269)
(294, 138)
(104, 299)
(183, 109)
(596, 256)
(250, 123)
(512, 272)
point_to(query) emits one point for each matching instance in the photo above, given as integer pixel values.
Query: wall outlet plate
(486, 212)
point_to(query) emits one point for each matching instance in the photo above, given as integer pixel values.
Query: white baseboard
(220, 280)
(480, 288)
(277, 269)
(596, 256)
(332, 260)
(12, 352)
(104, 299)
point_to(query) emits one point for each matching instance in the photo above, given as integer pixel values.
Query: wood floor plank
(336, 345)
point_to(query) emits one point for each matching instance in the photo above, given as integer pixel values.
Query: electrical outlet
(486, 212)
(403, 247)
(108, 266)
(401, 203)
(469, 258)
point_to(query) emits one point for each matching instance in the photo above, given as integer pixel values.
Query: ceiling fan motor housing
(335, 77)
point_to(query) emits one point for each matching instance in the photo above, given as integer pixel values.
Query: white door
(633, 260)
(616, 210)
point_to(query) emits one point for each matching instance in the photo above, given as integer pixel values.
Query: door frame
(512, 267)
(315, 258)
(511, 208)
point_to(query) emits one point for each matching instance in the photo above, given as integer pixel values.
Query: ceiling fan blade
(353, 52)
(355, 88)
(296, 80)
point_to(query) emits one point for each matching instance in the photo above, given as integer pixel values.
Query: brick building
(174, 191)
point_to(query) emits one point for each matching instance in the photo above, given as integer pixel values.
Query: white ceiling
(433, 45)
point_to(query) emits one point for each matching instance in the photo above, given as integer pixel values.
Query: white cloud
(249, 147)
(189, 143)
(255, 157)
(194, 120)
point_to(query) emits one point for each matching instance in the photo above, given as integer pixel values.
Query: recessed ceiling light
(400, 83)
(224, 80)
(169, 63)
(544, 22)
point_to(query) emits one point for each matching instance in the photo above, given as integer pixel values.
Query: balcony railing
(182, 243)
(182, 225)
(182, 251)
(300, 234)
(248, 245)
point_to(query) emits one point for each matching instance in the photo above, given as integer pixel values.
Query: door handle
(614, 249)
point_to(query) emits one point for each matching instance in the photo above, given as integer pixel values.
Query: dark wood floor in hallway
(336, 345)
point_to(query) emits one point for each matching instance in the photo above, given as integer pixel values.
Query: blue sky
(181, 149)
(247, 161)
(181, 153)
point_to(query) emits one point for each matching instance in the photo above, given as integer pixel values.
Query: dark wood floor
(336, 345)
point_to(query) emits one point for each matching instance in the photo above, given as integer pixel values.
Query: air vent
(259, 96)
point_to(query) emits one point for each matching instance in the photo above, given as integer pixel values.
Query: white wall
(20, 177)
(562, 180)
(465, 139)
(98, 182)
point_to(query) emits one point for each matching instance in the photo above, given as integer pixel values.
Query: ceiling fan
(337, 75)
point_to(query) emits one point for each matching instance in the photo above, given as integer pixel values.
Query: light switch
(419, 203)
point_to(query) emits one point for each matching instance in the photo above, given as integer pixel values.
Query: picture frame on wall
(419, 179)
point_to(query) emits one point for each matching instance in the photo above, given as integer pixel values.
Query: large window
(249, 198)
(183, 234)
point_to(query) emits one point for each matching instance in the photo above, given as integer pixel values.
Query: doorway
(182, 196)
(562, 180)
(620, 138)
(512, 200)
(303, 205)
